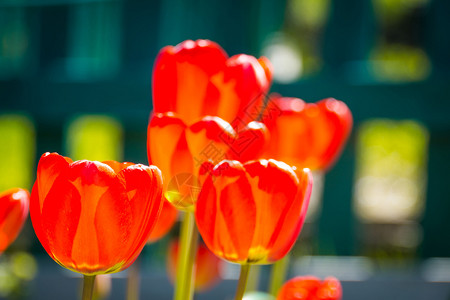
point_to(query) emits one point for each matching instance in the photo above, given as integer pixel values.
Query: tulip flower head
(196, 79)
(252, 213)
(310, 135)
(311, 288)
(14, 205)
(180, 151)
(94, 217)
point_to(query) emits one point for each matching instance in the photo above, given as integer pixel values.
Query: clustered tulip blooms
(14, 205)
(202, 100)
(180, 150)
(205, 106)
(240, 175)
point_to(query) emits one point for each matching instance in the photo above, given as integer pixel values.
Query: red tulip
(13, 213)
(180, 150)
(252, 213)
(94, 217)
(166, 220)
(207, 266)
(196, 79)
(310, 135)
(311, 288)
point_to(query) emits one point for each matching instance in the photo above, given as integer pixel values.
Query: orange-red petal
(244, 89)
(224, 208)
(208, 140)
(250, 142)
(14, 204)
(167, 146)
(144, 191)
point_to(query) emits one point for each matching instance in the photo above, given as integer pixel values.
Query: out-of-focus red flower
(196, 79)
(94, 217)
(207, 266)
(179, 150)
(311, 288)
(252, 213)
(14, 205)
(166, 220)
(309, 135)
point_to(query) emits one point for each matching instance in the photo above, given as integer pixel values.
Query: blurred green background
(75, 77)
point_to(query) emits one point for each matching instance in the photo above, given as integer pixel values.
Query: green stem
(253, 279)
(184, 285)
(242, 283)
(133, 281)
(88, 287)
(278, 275)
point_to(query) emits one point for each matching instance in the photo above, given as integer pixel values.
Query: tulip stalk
(278, 274)
(88, 287)
(253, 279)
(242, 283)
(184, 285)
(133, 281)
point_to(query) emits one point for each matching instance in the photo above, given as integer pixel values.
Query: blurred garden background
(75, 78)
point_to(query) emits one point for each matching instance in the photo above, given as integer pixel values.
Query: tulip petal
(61, 206)
(207, 214)
(117, 166)
(49, 167)
(226, 206)
(105, 218)
(164, 96)
(250, 142)
(208, 140)
(340, 116)
(144, 189)
(167, 146)
(238, 211)
(245, 101)
(292, 217)
(267, 66)
(274, 186)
